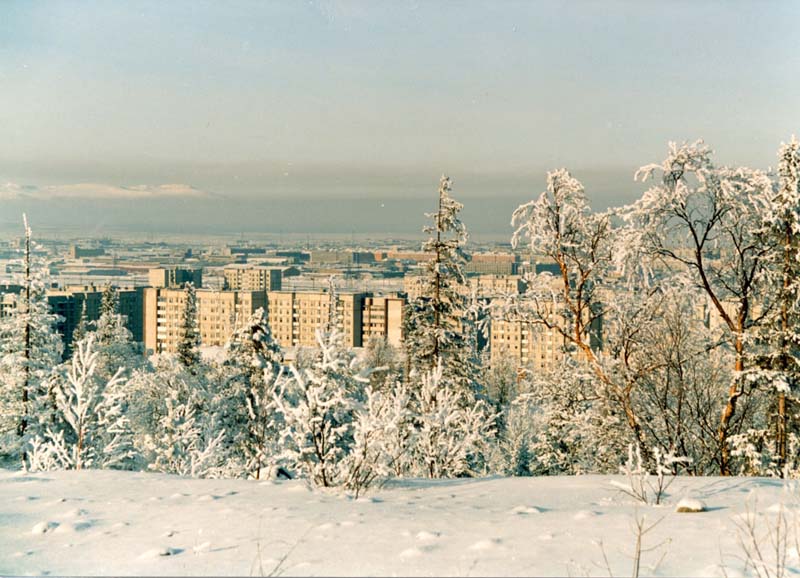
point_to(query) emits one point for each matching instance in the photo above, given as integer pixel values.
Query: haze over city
(339, 117)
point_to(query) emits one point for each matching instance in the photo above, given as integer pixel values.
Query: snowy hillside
(124, 523)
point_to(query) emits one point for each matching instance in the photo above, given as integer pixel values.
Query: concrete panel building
(253, 278)
(175, 277)
(68, 304)
(295, 316)
(219, 314)
(492, 264)
(483, 285)
(529, 346)
(382, 317)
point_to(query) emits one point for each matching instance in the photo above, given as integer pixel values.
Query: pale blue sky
(258, 100)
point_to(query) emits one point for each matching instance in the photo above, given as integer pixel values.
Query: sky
(323, 116)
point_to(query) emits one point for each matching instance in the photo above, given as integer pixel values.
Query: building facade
(295, 316)
(253, 278)
(219, 314)
(68, 304)
(175, 277)
(382, 317)
(492, 264)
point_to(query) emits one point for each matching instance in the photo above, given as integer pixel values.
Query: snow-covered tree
(30, 349)
(82, 328)
(434, 324)
(188, 346)
(500, 384)
(560, 226)
(113, 340)
(317, 405)
(184, 446)
(251, 371)
(681, 369)
(375, 454)
(779, 364)
(451, 428)
(511, 454)
(95, 432)
(385, 361)
(575, 429)
(175, 429)
(707, 221)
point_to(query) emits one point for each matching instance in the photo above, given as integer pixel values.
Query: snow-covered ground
(124, 523)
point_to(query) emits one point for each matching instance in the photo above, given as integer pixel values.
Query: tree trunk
(734, 392)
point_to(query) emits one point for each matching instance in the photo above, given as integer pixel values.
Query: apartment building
(534, 346)
(77, 252)
(382, 317)
(175, 277)
(482, 286)
(343, 257)
(8, 304)
(219, 313)
(253, 278)
(68, 304)
(295, 316)
(530, 346)
(492, 264)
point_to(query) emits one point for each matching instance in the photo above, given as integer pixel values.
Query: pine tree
(114, 341)
(30, 349)
(779, 368)
(317, 405)
(188, 353)
(110, 322)
(434, 326)
(82, 327)
(251, 371)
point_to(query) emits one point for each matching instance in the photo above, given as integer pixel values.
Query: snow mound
(424, 535)
(690, 505)
(485, 544)
(411, 553)
(200, 548)
(779, 507)
(525, 510)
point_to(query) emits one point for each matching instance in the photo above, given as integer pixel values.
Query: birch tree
(706, 221)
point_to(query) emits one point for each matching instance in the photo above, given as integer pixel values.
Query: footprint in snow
(207, 498)
(73, 527)
(164, 551)
(44, 527)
